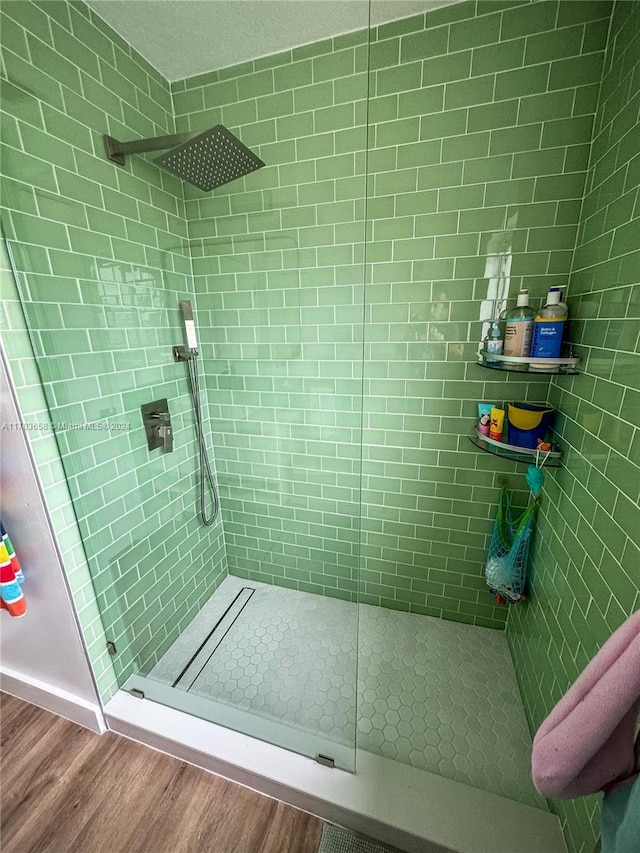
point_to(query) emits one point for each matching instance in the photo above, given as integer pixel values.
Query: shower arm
(116, 151)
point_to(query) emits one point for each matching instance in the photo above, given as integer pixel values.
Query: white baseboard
(53, 699)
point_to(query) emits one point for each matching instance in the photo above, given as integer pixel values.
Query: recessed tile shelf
(550, 459)
(544, 366)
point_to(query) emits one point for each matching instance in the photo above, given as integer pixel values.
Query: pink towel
(586, 744)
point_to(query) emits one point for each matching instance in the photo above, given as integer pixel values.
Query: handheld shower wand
(189, 354)
(189, 325)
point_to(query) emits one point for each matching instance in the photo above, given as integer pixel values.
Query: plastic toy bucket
(527, 422)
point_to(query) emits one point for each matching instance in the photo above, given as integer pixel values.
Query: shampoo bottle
(548, 327)
(562, 303)
(518, 328)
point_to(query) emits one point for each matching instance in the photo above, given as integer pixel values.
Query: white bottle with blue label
(548, 327)
(493, 344)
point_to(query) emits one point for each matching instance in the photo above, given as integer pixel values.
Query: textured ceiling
(182, 38)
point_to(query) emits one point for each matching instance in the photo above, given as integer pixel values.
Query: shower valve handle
(166, 434)
(164, 430)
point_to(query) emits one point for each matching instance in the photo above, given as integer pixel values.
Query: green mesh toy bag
(506, 567)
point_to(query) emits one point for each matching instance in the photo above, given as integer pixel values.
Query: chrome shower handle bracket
(181, 353)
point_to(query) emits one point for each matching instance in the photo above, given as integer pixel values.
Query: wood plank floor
(68, 790)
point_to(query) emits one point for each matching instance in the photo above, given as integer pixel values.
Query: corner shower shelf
(513, 452)
(544, 366)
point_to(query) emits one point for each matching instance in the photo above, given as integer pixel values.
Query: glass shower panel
(252, 622)
(278, 279)
(103, 349)
(449, 225)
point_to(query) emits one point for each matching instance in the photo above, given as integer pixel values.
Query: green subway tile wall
(586, 567)
(103, 260)
(279, 276)
(479, 127)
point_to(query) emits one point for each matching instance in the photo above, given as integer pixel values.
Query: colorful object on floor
(11, 577)
(586, 744)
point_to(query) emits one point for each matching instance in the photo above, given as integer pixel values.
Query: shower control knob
(156, 419)
(162, 428)
(166, 434)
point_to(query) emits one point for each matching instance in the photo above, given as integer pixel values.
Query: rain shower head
(210, 159)
(207, 159)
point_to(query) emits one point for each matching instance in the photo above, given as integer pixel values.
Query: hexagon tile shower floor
(436, 695)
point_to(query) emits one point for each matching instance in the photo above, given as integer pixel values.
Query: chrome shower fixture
(207, 159)
(189, 354)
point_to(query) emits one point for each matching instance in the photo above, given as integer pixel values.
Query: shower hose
(206, 475)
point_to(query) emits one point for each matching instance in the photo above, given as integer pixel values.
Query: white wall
(42, 655)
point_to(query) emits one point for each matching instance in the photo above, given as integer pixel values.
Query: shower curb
(417, 811)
